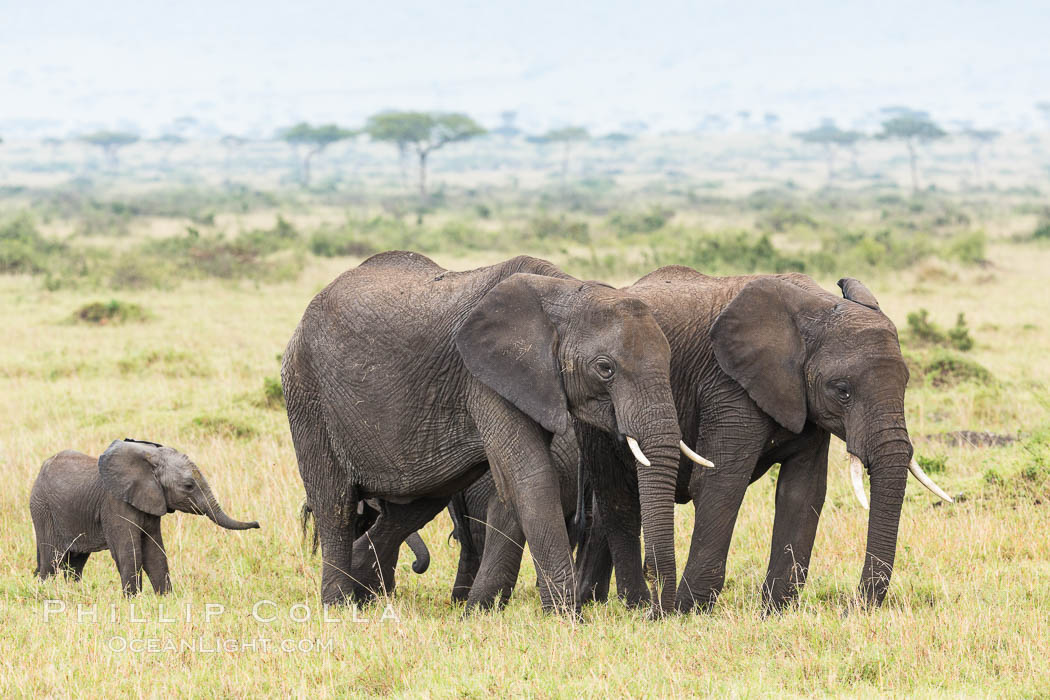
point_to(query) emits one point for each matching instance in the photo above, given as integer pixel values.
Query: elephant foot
(688, 600)
(635, 599)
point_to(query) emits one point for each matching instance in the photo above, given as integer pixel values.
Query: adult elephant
(764, 370)
(403, 378)
(489, 535)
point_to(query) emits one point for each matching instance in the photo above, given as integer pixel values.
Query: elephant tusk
(637, 452)
(694, 456)
(856, 469)
(926, 481)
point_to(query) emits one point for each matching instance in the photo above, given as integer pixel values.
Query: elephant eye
(604, 368)
(842, 391)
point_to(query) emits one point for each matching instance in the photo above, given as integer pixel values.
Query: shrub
(113, 312)
(265, 241)
(734, 252)
(968, 248)
(630, 223)
(24, 250)
(944, 368)
(273, 392)
(921, 330)
(932, 465)
(1042, 230)
(959, 336)
(547, 227)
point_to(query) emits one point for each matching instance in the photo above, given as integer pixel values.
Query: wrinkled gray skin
(764, 370)
(81, 505)
(403, 379)
(490, 538)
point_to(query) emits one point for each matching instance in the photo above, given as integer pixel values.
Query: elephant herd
(542, 409)
(565, 414)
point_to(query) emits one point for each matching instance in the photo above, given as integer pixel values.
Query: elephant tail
(578, 528)
(306, 514)
(457, 508)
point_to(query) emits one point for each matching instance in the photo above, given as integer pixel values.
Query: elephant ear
(127, 473)
(757, 342)
(510, 344)
(854, 290)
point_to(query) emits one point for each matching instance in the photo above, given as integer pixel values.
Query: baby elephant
(82, 505)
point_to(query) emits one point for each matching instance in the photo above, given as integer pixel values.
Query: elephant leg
(376, 551)
(617, 504)
(801, 487)
(48, 558)
(154, 559)
(125, 544)
(519, 456)
(466, 573)
(735, 447)
(331, 498)
(73, 564)
(503, 546)
(717, 503)
(594, 563)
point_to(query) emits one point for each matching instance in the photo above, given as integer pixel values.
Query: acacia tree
(315, 138)
(913, 128)
(830, 137)
(566, 136)
(979, 138)
(507, 128)
(424, 132)
(110, 142)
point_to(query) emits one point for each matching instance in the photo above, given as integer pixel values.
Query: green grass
(966, 613)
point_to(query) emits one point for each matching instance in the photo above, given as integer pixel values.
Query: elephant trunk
(204, 502)
(658, 440)
(888, 472)
(419, 548)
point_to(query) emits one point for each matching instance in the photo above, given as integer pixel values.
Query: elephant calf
(82, 505)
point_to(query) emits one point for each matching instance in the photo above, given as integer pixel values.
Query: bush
(968, 248)
(547, 227)
(734, 252)
(1042, 230)
(631, 223)
(265, 241)
(959, 336)
(923, 331)
(273, 392)
(113, 312)
(23, 250)
(213, 256)
(932, 465)
(944, 368)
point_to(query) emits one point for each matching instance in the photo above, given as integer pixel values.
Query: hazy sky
(248, 67)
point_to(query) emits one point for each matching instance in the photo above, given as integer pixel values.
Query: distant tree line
(419, 135)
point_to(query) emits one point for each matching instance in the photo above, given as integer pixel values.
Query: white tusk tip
(694, 456)
(636, 450)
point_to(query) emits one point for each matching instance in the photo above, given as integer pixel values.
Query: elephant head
(159, 480)
(558, 349)
(804, 355)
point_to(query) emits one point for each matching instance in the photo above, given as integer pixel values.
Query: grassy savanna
(189, 366)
